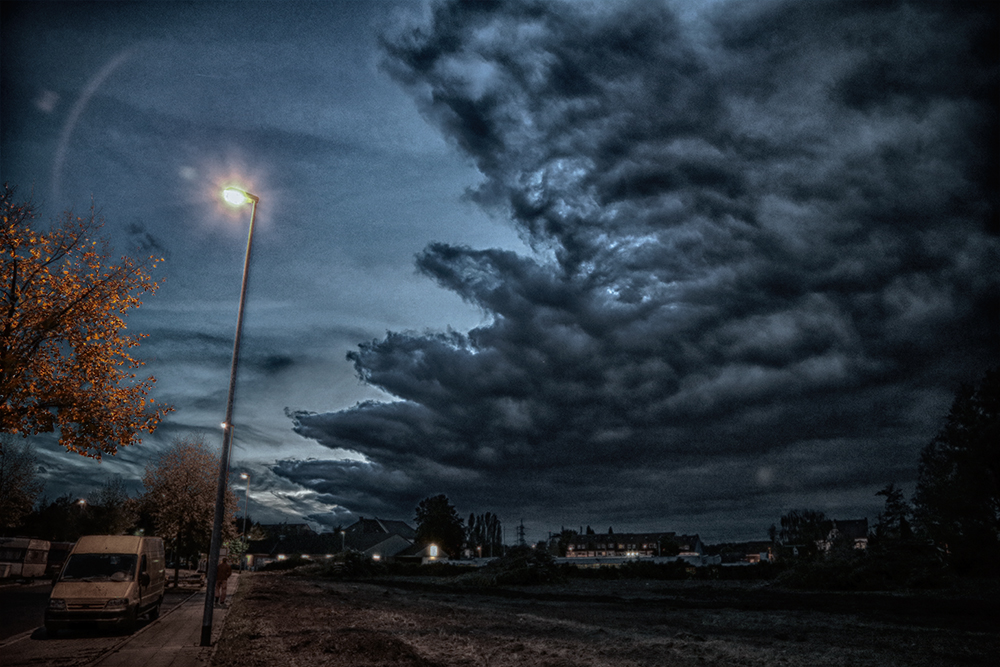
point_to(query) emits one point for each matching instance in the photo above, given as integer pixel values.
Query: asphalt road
(22, 608)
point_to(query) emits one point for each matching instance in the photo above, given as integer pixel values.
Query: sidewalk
(173, 640)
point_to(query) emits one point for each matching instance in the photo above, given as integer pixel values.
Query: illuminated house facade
(634, 545)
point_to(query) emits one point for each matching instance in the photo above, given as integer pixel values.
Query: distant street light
(234, 197)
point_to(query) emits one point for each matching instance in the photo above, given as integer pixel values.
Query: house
(376, 526)
(288, 529)
(855, 531)
(634, 545)
(379, 538)
(746, 553)
(375, 538)
(422, 554)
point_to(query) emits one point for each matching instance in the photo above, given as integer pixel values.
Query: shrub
(520, 566)
(286, 564)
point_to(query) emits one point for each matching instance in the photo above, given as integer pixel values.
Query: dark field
(294, 619)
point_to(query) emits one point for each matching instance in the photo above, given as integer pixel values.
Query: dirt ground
(296, 620)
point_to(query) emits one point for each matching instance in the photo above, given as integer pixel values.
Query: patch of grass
(242, 642)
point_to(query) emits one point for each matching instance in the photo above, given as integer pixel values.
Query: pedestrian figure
(221, 578)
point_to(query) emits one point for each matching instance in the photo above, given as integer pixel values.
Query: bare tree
(19, 481)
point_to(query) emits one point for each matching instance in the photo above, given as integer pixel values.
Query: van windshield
(100, 567)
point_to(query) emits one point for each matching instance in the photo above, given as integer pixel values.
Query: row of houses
(375, 538)
(384, 539)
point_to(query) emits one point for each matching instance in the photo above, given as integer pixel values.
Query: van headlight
(117, 603)
(57, 604)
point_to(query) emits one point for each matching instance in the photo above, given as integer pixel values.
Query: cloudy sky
(652, 265)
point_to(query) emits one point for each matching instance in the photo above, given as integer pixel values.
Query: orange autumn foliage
(64, 356)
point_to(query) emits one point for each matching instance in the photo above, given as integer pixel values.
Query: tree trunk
(177, 560)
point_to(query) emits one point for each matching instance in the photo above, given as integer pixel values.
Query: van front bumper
(61, 620)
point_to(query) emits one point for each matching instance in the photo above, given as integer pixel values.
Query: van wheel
(51, 632)
(154, 613)
(131, 621)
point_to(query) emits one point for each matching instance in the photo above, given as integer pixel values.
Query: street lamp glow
(237, 197)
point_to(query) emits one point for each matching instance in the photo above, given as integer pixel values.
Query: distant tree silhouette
(894, 521)
(802, 529)
(64, 519)
(484, 534)
(957, 502)
(180, 498)
(438, 523)
(559, 543)
(19, 481)
(111, 510)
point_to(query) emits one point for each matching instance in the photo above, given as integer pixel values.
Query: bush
(673, 570)
(872, 572)
(286, 564)
(351, 565)
(520, 566)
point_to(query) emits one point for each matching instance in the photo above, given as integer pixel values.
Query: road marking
(17, 638)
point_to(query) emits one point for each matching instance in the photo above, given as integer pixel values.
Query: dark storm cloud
(767, 254)
(145, 240)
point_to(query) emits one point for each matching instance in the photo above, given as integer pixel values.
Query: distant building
(745, 553)
(634, 545)
(853, 530)
(284, 530)
(375, 538)
(378, 526)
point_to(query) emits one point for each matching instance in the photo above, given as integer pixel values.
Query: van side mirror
(144, 579)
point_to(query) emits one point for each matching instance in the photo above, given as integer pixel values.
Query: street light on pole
(234, 197)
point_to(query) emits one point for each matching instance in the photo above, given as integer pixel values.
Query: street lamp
(234, 197)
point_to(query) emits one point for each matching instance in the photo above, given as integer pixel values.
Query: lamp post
(246, 504)
(246, 511)
(234, 197)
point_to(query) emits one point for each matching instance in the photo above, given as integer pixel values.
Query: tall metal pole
(220, 494)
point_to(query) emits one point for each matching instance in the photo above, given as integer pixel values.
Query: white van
(108, 580)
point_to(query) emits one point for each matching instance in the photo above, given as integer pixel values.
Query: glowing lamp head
(235, 196)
